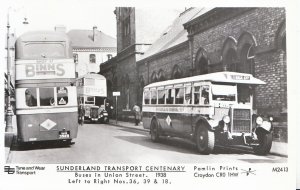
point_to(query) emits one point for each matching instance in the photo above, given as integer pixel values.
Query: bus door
(175, 117)
(201, 101)
(167, 118)
(187, 122)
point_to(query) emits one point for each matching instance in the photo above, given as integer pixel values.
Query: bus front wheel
(154, 131)
(205, 140)
(265, 143)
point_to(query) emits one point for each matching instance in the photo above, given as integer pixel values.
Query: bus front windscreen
(224, 92)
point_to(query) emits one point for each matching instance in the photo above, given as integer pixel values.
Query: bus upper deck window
(62, 96)
(161, 96)
(170, 96)
(147, 97)
(196, 94)
(153, 96)
(47, 97)
(188, 95)
(179, 95)
(30, 96)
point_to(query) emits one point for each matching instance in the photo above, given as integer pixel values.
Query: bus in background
(92, 94)
(46, 98)
(211, 109)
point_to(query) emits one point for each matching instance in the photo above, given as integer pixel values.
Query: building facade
(137, 29)
(248, 40)
(90, 49)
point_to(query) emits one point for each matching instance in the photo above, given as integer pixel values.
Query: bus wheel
(205, 140)
(154, 131)
(265, 143)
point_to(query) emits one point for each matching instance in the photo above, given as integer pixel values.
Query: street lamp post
(9, 112)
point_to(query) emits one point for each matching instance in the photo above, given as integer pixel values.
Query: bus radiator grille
(241, 121)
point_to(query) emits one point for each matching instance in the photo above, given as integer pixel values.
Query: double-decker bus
(46, 98)
(211, 109)
(92, 94)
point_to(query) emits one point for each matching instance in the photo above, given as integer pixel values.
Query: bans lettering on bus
(211, 109)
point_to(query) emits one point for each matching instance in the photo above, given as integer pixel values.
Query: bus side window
(147, 97)
(170, 96)
(179, 96)
(188, 95)
(30, 96)
(47, 97)
(153, 96)
(161, 96)
(204, 95)
(196, 94)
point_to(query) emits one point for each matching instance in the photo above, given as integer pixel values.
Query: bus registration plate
(64, 134)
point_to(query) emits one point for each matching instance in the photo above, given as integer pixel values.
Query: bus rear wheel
(265, 143)
(154, 131)
(205, 140)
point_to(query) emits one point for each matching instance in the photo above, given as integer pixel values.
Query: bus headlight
(266, 125)
(259, 120)
(226, 119)
(213, 123)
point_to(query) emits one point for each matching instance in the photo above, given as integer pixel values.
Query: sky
(45, 15)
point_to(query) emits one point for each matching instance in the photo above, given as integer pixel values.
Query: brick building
(203, 40)
(137, 29)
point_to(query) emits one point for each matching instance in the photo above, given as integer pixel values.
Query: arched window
(201, 62)
(281, 37)
(161, 75)
(247, 60)
(176, 73)
(154, 77)
(246, 52)
(229, 54)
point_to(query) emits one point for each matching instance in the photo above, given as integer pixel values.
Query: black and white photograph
(109, 95)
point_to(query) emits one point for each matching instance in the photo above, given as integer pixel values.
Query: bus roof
(36, 36)
(224, 77)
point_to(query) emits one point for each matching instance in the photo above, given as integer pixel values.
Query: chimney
(94, 32)
(60, 28)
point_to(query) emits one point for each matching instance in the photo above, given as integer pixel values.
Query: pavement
(9, 136)
(278, 148)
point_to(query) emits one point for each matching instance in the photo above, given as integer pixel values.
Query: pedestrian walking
(137, 114)
(81, 113)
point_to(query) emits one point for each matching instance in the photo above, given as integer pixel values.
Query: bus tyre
(205, 140)
(265, 143)
(154, 131)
